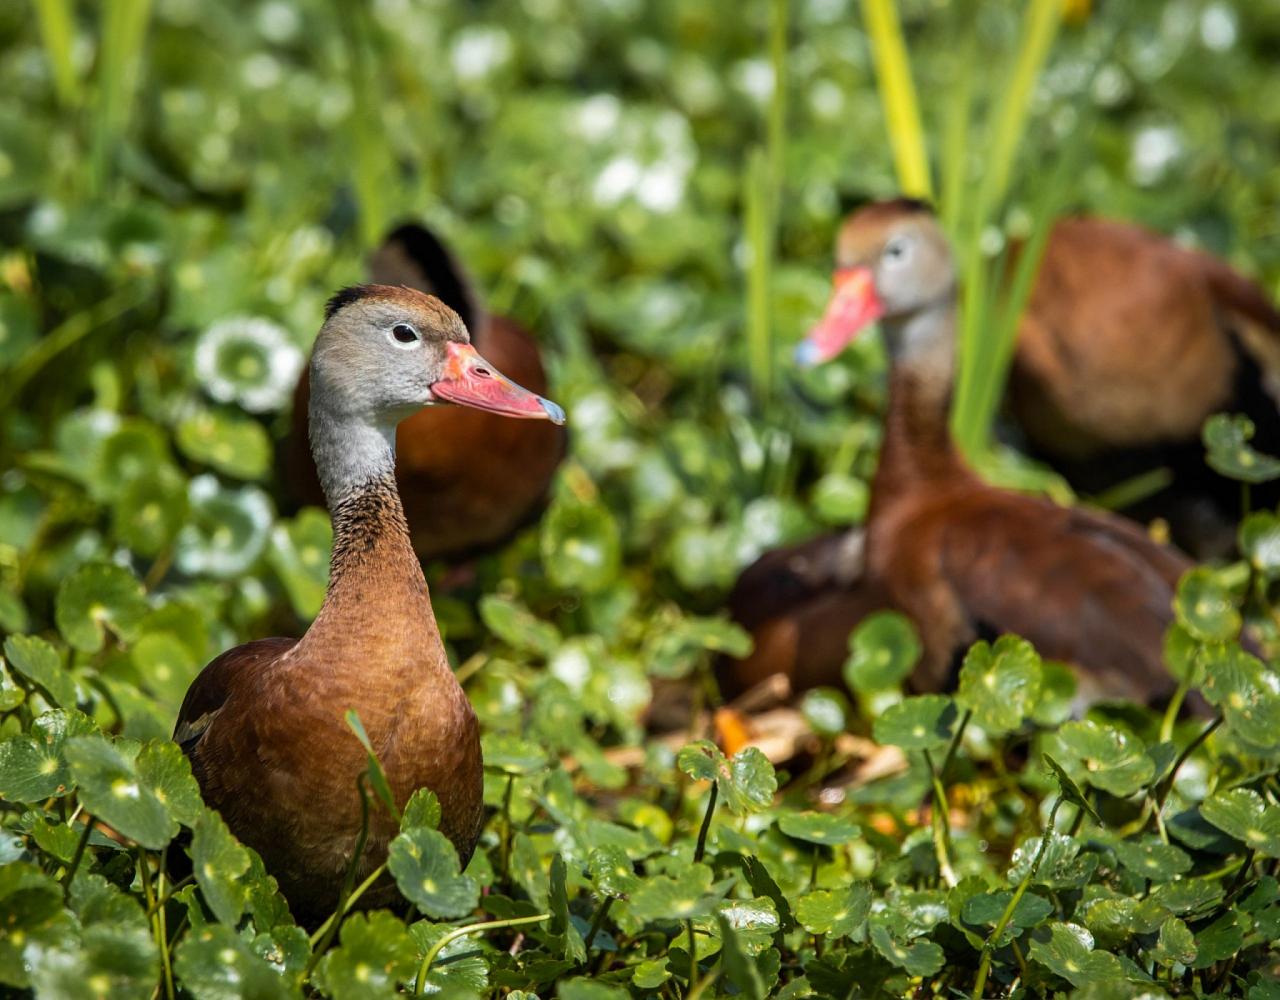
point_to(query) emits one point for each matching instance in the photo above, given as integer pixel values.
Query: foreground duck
(468, 479)
(263, 724)
(964, 559)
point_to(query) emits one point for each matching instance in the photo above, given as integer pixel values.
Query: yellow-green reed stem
(58, 35)
(1039, 26)
(898, 97)
(120, 47)
(955, 137)
(759, 271)
(370, 154)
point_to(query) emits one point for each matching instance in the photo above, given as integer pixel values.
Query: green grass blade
(955, 137)
(370, 154)
(759, 275)
(57, 33)
(898, 97)
(121, 47)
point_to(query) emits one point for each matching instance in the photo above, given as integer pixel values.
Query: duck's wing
(215, 683)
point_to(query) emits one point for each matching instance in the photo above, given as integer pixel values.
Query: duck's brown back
(1122, 344)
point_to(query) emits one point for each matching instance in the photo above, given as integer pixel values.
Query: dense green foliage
(182, 185)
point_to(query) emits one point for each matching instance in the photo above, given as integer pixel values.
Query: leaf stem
(1167, 785)
(420, 981)
(157, 927)
(988, 947)
(506, 830)
(76, 858)
(701, 848)
(939, 820)
(693, 956)
(324, 936)
(597, 922)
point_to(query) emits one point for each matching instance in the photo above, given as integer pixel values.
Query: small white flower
(248, 360)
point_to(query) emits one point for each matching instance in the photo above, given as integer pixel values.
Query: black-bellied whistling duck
(263, 724)
(960, 557)
(468, 479)
(1128, 343)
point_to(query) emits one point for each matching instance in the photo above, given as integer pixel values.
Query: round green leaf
(1153, 860)
(1260, 542)
(1111, 759)
(517, 626)
(165, 665)
(218, 861)
(34, 766)
(883, 650)
(1069, 953)
(1204, 607)
(1000, 684)
(840, 499)
(746, 782)
(38, 661)
(1247, 816)
(235, 446)
(819, 828)
(581, 545)
(215, 963)
(425, 866)
(34, 919)
(923, 722)
(1246, 692)
(1226, 439)
(114, 792)
(611, 871)
(839, 913)
(99, 596)
(826, 711)
(299, 553)
(511, 755)
(248, 360)
(150, 510)
(422, 809)
(683, 896)
(919, 958)
(458, 966)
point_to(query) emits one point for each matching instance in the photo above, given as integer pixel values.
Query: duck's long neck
(376, 588)
(918, 447)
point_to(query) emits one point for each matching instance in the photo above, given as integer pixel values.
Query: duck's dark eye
(404, 333)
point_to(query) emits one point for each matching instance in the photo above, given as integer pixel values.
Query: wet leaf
(680, 897)
(919, 957)
(883, 651)
(739, 968)
(425, 867)
(1204, 607)
(459, 965)
(512, 755)
(1153, 860)
(34, 767)
(1247, 693)
(235, 446)
(95, 598)
(422, 809)
(1260, 542)
(299, 554)
(818, 828)
(612, 871)
(218, 861)
(376, 954)
(215, 963)
(1112, 759)
(513, 623)
(1226, 439)
(839, 913)
(1000, 684)
(1176, 945)
(1247, 816)
(921, 722)
(39, 662)
(33, 919)
(746, 781)
(1069, 953)
(114, 792)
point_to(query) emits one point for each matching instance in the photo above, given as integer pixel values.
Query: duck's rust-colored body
(962, 558)
(264, 724)
(468, 479)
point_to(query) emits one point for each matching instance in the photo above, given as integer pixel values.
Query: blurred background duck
(263, 724)
(468, 479)
(962, 558)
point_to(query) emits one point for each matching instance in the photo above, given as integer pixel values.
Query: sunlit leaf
(1204, 607)
(922, 722)
(97, 597)
(838, 913)
(1069, 953)
(1226, 439)
(235, 446)
(1247, 816)
(113, 791)
(425, 866)
(1112, 759)
(818, 828)
(39, 662)
(746, 781)
(1000, 684)
(883, 650)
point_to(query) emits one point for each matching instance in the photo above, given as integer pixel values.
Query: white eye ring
(404, 336)
(896, 250)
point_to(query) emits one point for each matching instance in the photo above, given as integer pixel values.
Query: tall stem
(323, 937)
(701, 849)
(989, 945)
(76, 858)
